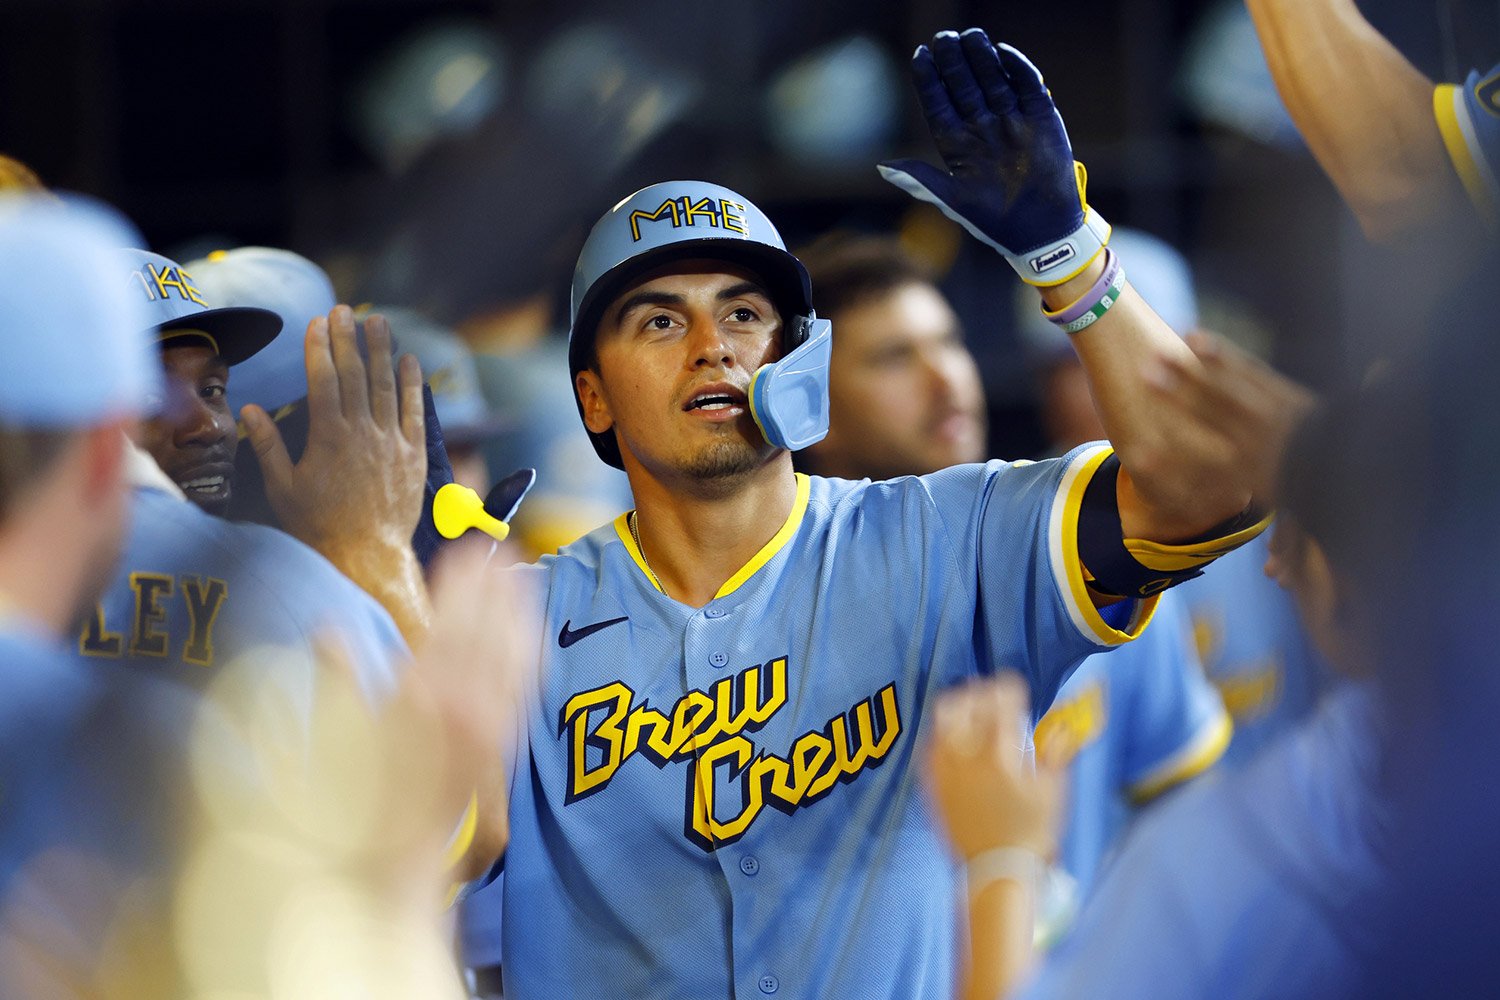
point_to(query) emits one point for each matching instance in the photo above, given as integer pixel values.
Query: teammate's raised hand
(1234, 411)
(986, 793)
(356, 493)
(1011, 179)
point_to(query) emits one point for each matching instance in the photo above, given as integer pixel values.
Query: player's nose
(708, 345)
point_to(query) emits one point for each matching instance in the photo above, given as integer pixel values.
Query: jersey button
(713, 612)
(749, 865)
(718, 659)
(769, 984)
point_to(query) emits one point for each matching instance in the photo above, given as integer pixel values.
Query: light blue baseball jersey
(1469, 118)
(724, 801)
(87, 798)
(194, 593)
(1253, 647)
(1255, 882)
(1130, 726)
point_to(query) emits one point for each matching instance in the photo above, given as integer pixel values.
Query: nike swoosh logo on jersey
(568, 636)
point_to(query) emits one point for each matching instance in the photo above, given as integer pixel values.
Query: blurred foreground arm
(347, 849)
(1365, 111)
(1002, 818)
(356, 494)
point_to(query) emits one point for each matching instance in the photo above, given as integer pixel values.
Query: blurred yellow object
(456, 509)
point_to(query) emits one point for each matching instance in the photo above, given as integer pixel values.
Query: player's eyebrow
(742, 289)
(646, 298)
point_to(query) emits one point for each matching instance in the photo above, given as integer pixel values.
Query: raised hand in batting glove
(1011, 179)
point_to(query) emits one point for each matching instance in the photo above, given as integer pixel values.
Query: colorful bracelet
(1094, 303)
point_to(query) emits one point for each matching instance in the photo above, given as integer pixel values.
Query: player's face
(905, 393)
(194, 442)
(675, 356)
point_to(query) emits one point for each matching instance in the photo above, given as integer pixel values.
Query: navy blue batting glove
(1011, 179)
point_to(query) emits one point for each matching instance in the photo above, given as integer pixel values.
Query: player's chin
(726, 458)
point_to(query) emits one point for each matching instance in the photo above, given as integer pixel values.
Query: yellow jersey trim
(1448, 106)
(463, 837)
(1165, 558)
(1200, 754)
(776, 544)
(622, 528)
(1067, 567)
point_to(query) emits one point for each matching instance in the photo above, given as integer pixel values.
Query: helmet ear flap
(789, 398)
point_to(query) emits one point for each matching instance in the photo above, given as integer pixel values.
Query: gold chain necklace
(635, 533)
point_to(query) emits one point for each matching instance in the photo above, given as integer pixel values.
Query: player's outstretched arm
(1365, 111)
(356, 494)
(1002, 818)
(1011, 180)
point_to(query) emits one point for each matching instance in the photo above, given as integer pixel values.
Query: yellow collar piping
(745, 572)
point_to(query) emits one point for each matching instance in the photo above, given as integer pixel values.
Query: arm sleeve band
(1116, 566)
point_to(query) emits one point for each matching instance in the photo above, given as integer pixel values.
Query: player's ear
(596, 413)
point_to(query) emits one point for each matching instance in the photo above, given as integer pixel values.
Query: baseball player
(1389, 139)
(1244, 626)
(195, 592)
(355, 494)
(275, 382)
(64, 503)
(906, 399)
(1261, 881)
(716, 793)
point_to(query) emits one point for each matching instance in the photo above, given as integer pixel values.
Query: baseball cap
(174, 303)
(76, 348)
(289, 285)
(1157, 271)
(448, 367)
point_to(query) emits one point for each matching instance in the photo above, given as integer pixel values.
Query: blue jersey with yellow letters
(195, 593)
(1130, 726)
(1255, 882)
(88, 785)
(1468, 117)
(1253, 647)
(723, 801)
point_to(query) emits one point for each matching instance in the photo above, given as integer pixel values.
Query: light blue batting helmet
(682, 220)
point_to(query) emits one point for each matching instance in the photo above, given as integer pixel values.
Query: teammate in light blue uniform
(906, 399)
(1253, 647)
(1130, 727)
(1262, 881)
(195, 593)
(78, 372)
(716, 794)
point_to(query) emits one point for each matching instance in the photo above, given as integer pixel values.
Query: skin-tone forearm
(1365, 111)
(1169, 490)
(1000, 930)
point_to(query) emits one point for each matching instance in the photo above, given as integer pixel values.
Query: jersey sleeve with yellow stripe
(1468, 116)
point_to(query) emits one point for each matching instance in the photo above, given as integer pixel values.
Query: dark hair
(850, 268)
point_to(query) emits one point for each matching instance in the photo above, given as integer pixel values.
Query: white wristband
(1013, 864)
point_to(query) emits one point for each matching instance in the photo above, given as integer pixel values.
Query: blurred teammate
(78, 373)
(720, 648)
(906, 399)
(1257, 882)
(1245, 627)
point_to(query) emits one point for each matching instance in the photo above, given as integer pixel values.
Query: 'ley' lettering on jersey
(708, 730)
(149, 631)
